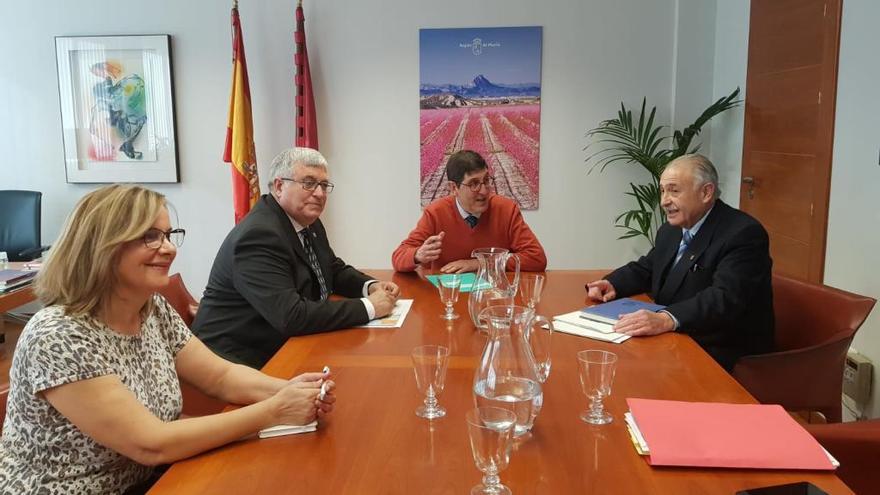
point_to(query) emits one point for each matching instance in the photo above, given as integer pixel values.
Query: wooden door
(791, 87)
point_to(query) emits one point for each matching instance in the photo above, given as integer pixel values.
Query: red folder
(706, 434)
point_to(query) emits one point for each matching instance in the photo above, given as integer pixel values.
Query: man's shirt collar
(464, 213)
(693, 230)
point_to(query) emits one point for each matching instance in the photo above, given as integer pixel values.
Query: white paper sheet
(395, 319)
(589, 330)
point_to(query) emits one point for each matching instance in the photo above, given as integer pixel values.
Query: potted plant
(623, 140)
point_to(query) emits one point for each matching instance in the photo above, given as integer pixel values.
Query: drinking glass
(449, 286)
(530, 287)
(596, 369)
(429, 364)
(490, 430)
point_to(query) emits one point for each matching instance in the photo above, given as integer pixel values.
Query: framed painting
(117, 108)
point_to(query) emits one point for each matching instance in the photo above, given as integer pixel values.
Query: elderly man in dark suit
(710, 266)
(275, 270)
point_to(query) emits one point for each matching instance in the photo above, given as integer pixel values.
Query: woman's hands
(298, 402)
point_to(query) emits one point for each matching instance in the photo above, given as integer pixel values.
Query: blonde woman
(95, 396)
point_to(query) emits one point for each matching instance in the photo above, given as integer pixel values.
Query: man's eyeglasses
(475, 185)
(311, 185)
(153, 238)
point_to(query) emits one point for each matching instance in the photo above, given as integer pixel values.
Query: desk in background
(15, 298)
(374, 443)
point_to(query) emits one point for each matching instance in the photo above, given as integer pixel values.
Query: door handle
(751, 183)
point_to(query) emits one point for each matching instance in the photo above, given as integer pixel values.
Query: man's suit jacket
(262, 289)
(719, 291)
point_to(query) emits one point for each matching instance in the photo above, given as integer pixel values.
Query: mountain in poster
(481, 87)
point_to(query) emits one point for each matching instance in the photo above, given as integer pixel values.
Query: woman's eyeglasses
(153, 237)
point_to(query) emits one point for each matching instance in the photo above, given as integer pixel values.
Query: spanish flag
(239, 150)
(306, 122)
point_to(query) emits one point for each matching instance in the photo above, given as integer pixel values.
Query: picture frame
(117, 108)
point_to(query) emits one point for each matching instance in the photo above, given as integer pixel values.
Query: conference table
(374, 443)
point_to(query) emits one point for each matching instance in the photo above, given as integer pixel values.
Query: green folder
(467, 281)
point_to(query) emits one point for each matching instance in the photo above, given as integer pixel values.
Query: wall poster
(480, 89)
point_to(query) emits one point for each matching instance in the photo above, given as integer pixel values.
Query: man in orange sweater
(471, 217)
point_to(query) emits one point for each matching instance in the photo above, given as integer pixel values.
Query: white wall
(694, 66)
(851, 261)
(851, 257)
(730, 63)
(365, 71)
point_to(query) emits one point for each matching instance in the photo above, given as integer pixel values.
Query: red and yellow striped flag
(239, 150)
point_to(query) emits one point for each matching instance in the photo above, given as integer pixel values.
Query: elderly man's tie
(686, 239)
(471, 220)
(313, 260)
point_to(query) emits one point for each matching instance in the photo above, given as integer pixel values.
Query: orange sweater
(501, 225)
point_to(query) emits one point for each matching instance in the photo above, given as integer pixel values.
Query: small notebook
(610, 312)
(281, 430)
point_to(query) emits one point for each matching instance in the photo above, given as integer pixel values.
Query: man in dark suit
(710, 266)
(275, 270)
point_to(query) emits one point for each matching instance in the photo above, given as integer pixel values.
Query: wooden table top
(374, 443)
(18, 297)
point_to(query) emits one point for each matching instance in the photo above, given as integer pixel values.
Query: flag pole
(306, 133)
(239, 147)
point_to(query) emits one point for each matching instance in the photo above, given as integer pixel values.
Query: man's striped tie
(686, 239)
(313, 260)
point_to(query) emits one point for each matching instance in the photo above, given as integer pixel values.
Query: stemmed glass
(449, 286)
(596, 369)
(429, 364)
(491, 431)
(530, 287)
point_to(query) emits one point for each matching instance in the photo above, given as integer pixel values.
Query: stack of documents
(10, 279)
(281, 430)
(573, 323)
(704, 434)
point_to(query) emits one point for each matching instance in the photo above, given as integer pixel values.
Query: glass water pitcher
(514, 363)
(491, 286)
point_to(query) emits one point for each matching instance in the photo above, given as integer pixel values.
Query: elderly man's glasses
(475, 185)
(153, 238)
(311, 185)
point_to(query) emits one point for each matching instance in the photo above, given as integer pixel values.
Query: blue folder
(610, 311)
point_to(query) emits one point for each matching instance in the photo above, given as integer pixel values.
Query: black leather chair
(20, 224)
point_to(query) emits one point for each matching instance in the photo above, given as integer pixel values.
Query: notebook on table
(610, 312)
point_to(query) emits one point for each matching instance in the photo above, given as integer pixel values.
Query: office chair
(195, 403)
(180, 299)
(857, 446)
(815, 325)
(20, 224)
